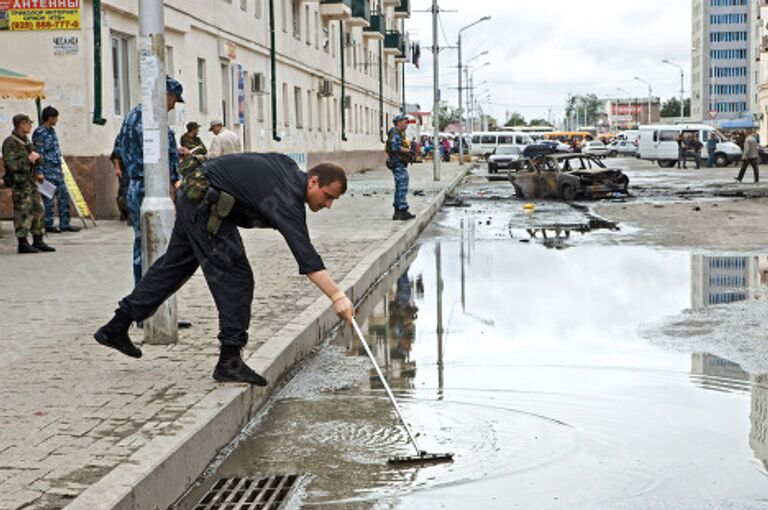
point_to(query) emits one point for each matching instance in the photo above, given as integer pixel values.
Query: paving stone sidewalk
(71, 410)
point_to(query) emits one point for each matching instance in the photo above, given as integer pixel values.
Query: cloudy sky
(539, 52)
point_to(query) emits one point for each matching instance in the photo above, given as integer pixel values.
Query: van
(484, 143)
(630, 135)
(659, 143)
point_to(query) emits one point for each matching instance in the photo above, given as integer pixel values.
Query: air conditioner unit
(326, 88)
(347, 103)
(258, 83)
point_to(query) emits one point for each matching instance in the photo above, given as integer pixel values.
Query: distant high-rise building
(724, 60)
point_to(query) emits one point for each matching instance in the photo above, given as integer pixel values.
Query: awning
(745, 123)
(19, 86)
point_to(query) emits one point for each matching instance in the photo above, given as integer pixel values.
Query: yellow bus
(569, 137)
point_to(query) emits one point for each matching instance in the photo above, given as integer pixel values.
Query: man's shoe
(25, 247)
(402, 215)
(114, 334)
(234, 369)
(70, 228)
(40, 244)
(53, 230)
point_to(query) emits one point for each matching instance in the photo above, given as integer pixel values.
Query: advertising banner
(35, 15)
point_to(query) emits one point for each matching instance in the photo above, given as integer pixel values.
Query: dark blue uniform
(47, 145)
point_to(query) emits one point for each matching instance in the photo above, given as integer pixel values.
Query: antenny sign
(33, 15)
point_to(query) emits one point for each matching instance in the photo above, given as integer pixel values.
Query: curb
(156, 475)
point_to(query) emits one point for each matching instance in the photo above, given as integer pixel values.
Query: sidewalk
(84, 426)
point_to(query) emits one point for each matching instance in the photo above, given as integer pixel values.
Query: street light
(472, 92)
(682, 91)
(461, 113)
(650, 95)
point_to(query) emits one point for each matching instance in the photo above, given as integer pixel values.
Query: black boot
(25, 247)
(114, 334)
(232, 368)
(37, 242)
(402, 214)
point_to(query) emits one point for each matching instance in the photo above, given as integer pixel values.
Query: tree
(671, 108)
(448, 115)
(514, 119)
(582, 110)
(539, 122)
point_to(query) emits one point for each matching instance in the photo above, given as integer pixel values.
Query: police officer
(22, 175)
(398, 157)
(128, 145)
(247, 190)
(46, 144)
(191, 139)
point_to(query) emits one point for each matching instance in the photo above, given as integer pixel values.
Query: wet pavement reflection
(599, 376)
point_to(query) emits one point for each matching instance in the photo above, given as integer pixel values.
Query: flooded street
(563, 369)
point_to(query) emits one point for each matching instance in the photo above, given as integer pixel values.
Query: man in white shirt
(224, 141)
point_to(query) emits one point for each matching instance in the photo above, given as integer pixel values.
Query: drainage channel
(267, 493)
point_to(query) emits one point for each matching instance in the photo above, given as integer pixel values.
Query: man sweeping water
(218, 196)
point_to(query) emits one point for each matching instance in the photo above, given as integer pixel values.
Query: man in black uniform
(247, 190)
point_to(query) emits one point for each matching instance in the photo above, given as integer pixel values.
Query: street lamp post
(472, 92)
(682, 90)
(461, 113)
(650, 95)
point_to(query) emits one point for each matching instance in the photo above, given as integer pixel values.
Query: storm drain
(269, 493)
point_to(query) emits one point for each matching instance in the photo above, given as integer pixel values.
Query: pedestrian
(749, 157)
(122, 182)
(22, 174)
(694, 148)
(191, 139)
(397, 161)
(681, 150)
(711, 149)
(224, 141)
(46, 143)
(238, 190)
(129, 145)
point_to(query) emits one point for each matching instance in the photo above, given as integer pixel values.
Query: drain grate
(268, 493)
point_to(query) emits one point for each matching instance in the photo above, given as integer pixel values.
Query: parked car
(568, 176)
(594, 148)
(557, 145)
(622, 148)
(505, 157)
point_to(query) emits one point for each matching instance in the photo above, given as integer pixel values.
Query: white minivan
(484, 143)
(659, 143)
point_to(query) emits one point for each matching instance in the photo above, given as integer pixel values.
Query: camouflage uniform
(190, 142)
(129, 144)
(122, 181)
(27, 204)
(47, 145)
(397, 163)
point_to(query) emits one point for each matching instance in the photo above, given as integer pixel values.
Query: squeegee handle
(386, 386)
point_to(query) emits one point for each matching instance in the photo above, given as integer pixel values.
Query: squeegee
(421, 456)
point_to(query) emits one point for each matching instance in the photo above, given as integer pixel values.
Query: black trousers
(225, 267)
(755, 172)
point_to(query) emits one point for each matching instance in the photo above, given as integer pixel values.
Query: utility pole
(157, 210)
(682, 90)
(461, 113)
(435, 93)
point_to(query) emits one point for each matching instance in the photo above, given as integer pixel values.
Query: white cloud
(542, 51)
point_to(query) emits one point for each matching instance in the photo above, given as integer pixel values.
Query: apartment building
(326, 89)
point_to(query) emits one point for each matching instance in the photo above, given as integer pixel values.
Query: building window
(169, 64)
(297, 106)
(121, 85)
(307, 25)
(319, 113)
(257, 8)
(286, 106)
(201, 87)
(310, 111)
(226, 94)
(296, 18)
(317, 30)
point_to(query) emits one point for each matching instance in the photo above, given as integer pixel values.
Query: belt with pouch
(220, 205)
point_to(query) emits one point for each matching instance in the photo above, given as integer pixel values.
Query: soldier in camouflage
(191, 139)
(21, 173)
(398, 157)
(129, 144)
(46, 144)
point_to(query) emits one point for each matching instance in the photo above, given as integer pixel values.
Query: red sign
(712, 114)
(18, 15)
(626, 109)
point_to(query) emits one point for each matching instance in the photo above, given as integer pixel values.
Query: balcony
(394, 43)
(377, 27)
(361, 13)
(336, 9)
(403, 10)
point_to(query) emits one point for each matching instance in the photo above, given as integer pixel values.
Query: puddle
(592, 377)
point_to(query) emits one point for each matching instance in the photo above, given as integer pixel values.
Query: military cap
(175, 88)
(192, 125)
(19, 118)
(398, 118)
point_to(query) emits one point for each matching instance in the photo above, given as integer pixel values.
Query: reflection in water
(758, 417)
(727, 279)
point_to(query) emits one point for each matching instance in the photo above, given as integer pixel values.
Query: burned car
(568, 176)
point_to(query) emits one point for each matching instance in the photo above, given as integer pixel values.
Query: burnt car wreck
(568, 176)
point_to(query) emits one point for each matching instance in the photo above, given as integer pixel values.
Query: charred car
(568, 176)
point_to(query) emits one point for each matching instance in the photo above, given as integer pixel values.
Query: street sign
(712, 114)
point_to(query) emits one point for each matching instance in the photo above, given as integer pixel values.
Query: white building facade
(327, 89)
(724, 60)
